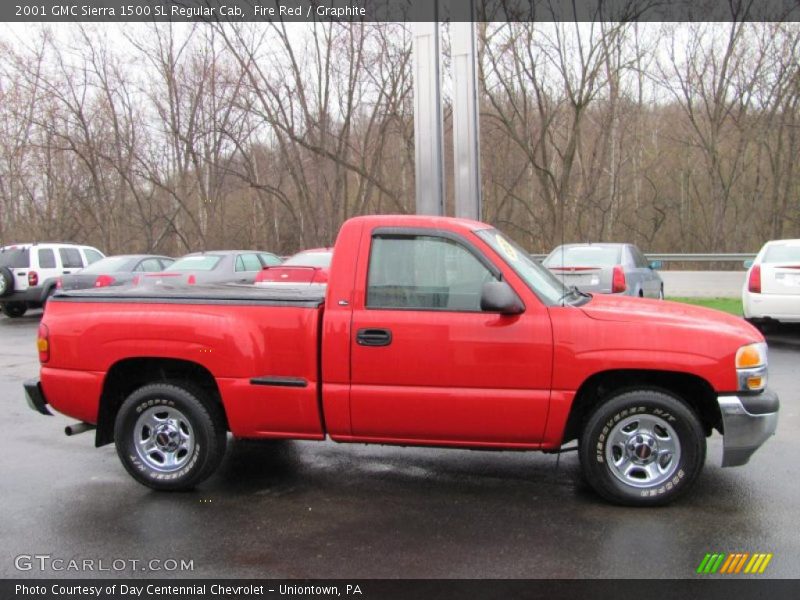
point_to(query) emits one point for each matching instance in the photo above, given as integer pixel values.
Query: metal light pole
(466, 130)
(428, 135)
(428, 116)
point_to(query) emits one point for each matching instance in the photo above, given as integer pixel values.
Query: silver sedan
(606, 269)
(220, 266)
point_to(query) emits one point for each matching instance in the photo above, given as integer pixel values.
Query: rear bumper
(35, 397)
(777, 307)
(747, 422)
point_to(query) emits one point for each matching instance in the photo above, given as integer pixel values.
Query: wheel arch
(692, 389)
(128, 375)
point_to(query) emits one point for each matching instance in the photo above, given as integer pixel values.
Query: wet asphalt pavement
(325, 510)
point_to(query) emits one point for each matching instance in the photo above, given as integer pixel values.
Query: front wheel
(169, 437)
(642, 448)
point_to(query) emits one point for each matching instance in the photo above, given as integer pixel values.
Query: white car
(29, 272)
(771, 289)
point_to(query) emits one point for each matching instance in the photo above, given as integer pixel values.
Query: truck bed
(259, 345)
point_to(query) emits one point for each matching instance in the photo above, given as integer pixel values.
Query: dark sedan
(114, 270)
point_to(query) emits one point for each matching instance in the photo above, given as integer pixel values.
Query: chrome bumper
(747, 422)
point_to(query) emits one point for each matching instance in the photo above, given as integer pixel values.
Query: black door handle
(373, 337)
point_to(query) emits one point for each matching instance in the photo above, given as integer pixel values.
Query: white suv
(29, 272)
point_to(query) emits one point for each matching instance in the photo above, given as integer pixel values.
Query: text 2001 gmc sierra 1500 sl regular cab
(432, 331)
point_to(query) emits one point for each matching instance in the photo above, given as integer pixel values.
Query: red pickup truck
(431, 332)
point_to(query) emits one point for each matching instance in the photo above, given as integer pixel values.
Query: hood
(625, 309)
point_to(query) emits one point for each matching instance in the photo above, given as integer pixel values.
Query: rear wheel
(15, 309)
(642, 448)
(170, 437)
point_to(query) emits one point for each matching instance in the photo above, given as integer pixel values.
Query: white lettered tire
(170, 436)
(642, 448)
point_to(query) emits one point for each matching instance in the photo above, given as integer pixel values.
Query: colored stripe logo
(734, 564)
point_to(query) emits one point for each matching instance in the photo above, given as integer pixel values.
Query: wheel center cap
(642, 448)
(167, 438)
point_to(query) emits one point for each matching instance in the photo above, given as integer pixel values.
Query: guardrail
(695, 257)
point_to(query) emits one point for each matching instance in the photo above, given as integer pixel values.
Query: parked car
(430, 332)
(771, 291)
(29, 272)
(308, 266)
(219, 266)
(606, 269)
(114, 270)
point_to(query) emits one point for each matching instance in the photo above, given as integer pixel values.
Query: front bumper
(747, 422)
(35, 397)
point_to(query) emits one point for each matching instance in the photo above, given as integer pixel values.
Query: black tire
(628, 448)
(764, 326)
(6, 281)
(167, 415)
(15, 310)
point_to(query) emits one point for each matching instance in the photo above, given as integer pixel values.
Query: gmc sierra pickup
(431, 331)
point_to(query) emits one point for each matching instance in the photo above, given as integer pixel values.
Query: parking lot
(320, 510)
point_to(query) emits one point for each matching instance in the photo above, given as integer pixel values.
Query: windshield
(583, 256)
(196, 262)
(549, 289)
(782, 253)
(309, 259)
(107, 265)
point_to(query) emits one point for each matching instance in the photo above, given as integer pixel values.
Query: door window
(420, 272)
(47, 259)
(269, 260)
(248, 262)
(149, 265)
(70, 258)
(92, 255)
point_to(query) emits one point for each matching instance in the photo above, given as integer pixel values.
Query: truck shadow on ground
(277, 468)
(786, 335)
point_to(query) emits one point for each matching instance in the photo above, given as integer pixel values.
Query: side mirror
(748, 263)
(497, 296)
(655, 264)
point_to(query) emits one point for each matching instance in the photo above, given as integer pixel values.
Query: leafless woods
(169, 138)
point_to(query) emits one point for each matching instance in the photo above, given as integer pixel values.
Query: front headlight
(751, 367)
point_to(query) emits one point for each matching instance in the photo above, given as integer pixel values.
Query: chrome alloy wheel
(643, 450)
(164, 438)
